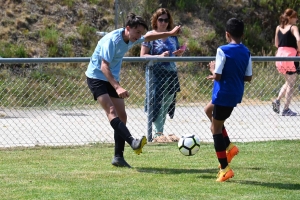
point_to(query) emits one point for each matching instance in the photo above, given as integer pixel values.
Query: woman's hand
(178, 52)
(165, 54)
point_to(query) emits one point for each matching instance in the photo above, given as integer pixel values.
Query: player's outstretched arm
(157, 35)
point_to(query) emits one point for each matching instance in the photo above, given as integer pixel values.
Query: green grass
(263, 170)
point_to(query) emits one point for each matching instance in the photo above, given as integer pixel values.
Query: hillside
(67, 28)
(50, 28)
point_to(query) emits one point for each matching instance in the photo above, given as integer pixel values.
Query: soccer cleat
(138, 144)
(225, 174)
(119, 162)
(276, 106)
(233, 151)
(288, 112)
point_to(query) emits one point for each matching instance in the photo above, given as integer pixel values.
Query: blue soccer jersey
(111, 48)
(233, 62)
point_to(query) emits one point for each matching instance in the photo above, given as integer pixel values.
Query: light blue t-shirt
(111, 48)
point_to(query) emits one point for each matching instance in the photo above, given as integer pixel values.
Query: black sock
(225, 136)
(220, 148)
(119, 145)
(121, 129)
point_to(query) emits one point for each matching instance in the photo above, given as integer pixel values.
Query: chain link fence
(49, 104)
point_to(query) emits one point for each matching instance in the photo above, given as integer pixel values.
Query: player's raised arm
(157, 35)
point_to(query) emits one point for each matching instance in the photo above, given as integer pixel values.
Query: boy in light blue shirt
(103, 76)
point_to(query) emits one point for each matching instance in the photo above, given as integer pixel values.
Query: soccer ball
(189, 145)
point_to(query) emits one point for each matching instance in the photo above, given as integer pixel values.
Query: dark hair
(286, 16)
(235, 28)
(134, 21)
(157, 14)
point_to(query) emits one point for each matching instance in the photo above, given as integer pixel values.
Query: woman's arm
(145, 52)
(295, 31)
(276, 37)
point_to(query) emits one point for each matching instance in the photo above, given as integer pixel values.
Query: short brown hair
(159, 12)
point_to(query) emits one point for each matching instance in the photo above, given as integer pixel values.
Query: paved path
(84, 126)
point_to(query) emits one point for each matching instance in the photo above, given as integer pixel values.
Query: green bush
(50, 36)
(87, 32)
(68, 3)
(9, 50)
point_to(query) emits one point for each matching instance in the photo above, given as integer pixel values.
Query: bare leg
(208, 109)
(113, 107)
(282, 91)
(119, 105)
(290, 85)
(108, 106)
(287, 89)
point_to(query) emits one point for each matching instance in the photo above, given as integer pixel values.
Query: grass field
(263, 170)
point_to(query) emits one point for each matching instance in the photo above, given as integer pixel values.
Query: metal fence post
(116, 5)
(149, 89)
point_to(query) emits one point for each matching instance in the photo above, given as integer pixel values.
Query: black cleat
(120, 162)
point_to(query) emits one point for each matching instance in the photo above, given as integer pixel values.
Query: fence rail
(140, 59)
(48, 104)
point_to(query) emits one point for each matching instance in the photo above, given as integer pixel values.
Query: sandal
(173, 138)
(161, 139)
(157, 135)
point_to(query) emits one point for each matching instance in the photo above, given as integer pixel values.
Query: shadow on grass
(154, 170)
(285, 186)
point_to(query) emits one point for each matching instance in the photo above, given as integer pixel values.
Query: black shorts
(222, 112)
(99, 87)
(297, 69)
(291, 73)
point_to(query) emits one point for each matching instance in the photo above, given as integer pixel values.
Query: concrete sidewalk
(83, 126)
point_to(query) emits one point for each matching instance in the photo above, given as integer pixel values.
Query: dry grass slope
(22, 21)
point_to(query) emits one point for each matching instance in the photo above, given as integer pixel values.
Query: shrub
(9, 50)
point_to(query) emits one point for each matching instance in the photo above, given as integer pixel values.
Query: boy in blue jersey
(103, 76)
(230, 70)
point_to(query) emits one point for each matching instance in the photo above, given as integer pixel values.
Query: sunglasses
(161, 20)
